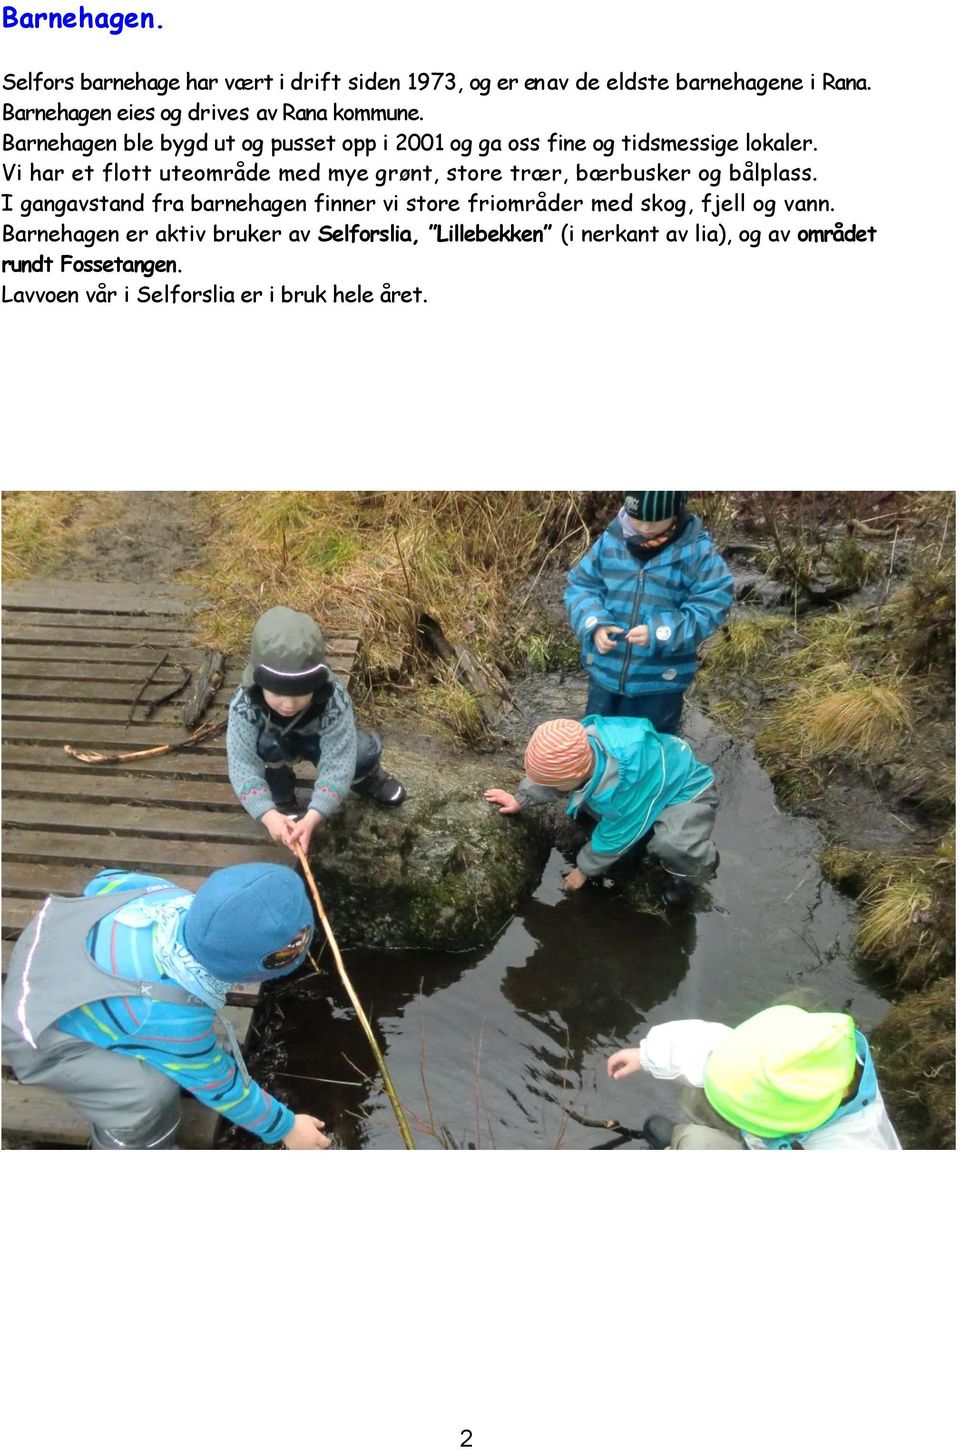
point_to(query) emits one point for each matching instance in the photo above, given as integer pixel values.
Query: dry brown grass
(371, 562)
(36, 531)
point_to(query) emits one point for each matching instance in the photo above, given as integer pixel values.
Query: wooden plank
(40, 1115)
(133, 654)
(105, 713)
(188, 764)
(65, 624)
(143, 634)
(107, 817)
(104, 737)
(71, 669)
(125, 691)
(127, 790)
(157, 855)
(92, 594)
(25, 879)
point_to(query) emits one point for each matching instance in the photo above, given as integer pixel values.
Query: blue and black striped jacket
(682, 594)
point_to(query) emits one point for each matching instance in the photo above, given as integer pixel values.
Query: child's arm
(671, 1050)
(681, 630)
(244, 766)
(585, 597)
(338, 755)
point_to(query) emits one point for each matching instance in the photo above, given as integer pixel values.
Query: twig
(946, 525)
(136, 699)
(387, 1080)
(151, 705)
(95, 757)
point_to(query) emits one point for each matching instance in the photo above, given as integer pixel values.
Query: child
(785, 1078)
(291, 707)
(631, 779)
(112, 999)
(649, 592)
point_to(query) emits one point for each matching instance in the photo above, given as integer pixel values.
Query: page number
(466, 1439)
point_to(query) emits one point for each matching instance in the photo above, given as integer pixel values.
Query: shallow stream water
(497, 1047)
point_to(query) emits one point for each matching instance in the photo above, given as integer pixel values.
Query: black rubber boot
(677, 891)
(385, 789)
(658, 1131)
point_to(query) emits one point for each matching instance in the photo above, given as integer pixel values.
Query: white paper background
(538, 1299)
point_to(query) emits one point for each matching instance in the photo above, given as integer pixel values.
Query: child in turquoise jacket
(632, 780)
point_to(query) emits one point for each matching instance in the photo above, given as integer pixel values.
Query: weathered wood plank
(104, 737)
(66, 623)
(125, 790)
(340, 654)
(126, 691)
(103, 817)
(159, 855)
(188, 764)
(132, 654)
(143, 634)
(92, 594)
(69, 669)
(23, 879)
(105, 712)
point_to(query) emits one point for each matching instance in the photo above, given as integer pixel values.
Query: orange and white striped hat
(558, 752)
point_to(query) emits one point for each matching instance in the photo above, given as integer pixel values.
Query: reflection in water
(491, 1049)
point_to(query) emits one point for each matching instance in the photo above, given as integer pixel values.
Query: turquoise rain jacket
(682, 594)
(637, 775)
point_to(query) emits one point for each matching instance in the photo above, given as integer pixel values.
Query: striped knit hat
(558, 752)
(652, 505)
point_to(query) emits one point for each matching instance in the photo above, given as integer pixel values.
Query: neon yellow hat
(783, 1071)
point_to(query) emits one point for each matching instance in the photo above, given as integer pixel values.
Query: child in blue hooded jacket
(113, 999)
(648, 593)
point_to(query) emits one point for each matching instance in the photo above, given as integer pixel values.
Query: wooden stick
(95, 757)
(136, 699)
(387, 1082)
(150, 705)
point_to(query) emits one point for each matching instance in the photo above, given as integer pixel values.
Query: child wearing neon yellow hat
(785, 1078)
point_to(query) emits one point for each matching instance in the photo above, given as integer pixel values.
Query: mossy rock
(443, 871)
(915, 1058)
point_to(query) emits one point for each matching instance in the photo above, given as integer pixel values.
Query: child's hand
(303, 830)
(574, 880)
(306, 1133)
(509, 805)
(604, 637)
(278, 826)
(640, 634)
(623, 1063)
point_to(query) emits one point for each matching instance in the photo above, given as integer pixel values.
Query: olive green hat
(286, 654)
(783, 1071)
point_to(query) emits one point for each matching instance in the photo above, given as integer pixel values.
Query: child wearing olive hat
(648, 593)
(785, 1078)
(291, 707)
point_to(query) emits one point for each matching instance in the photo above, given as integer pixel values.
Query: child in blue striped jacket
(651, 589)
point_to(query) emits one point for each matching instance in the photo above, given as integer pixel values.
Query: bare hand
(278, 826)
(623, 1063)
(640, 634)
(509, 805)
(574, 880)
(306, 1133)
(303, 830)
(604, 637)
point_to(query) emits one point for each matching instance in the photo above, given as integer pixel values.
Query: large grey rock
(442, 871)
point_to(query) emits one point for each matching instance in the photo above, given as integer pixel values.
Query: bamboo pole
(387, 1081)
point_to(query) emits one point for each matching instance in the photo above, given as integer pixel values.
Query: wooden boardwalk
(75, 657)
